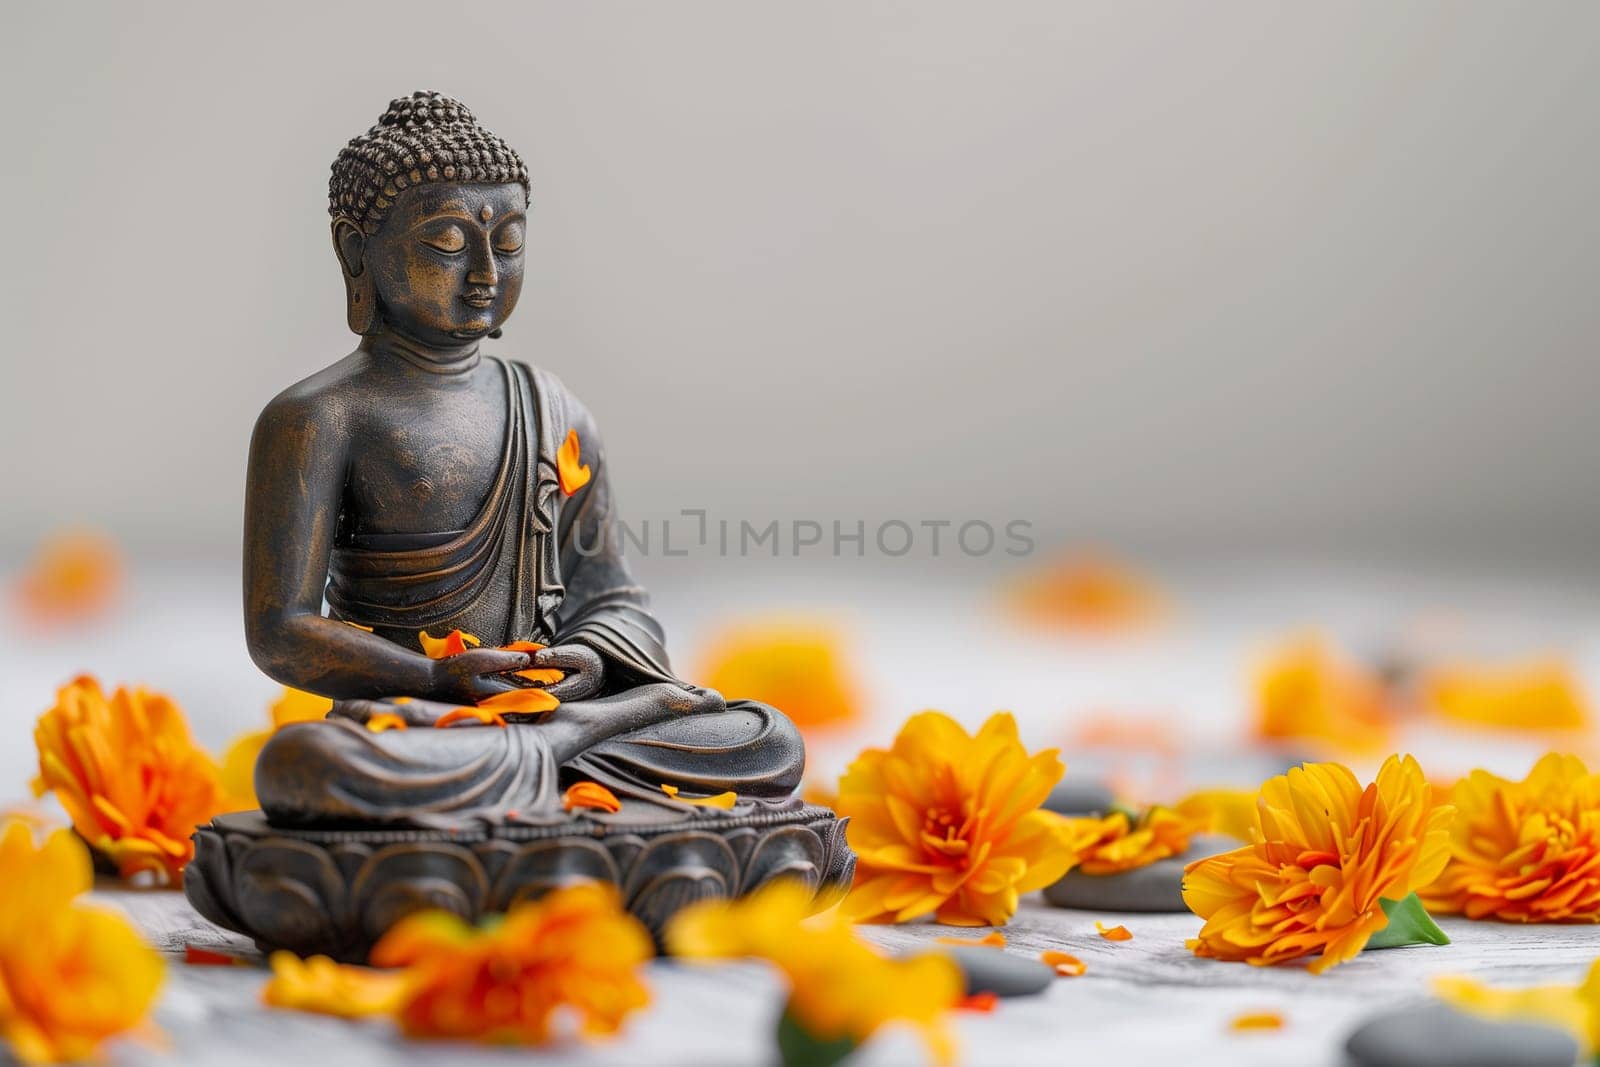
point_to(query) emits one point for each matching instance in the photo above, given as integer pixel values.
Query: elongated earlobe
(360, 292)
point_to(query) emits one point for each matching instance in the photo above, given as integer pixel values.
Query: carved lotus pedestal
(335, 892)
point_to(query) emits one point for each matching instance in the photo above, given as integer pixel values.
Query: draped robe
(538, 565)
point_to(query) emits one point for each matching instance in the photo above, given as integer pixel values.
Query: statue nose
(483, 273)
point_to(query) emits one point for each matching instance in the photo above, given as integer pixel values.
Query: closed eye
(447, 239)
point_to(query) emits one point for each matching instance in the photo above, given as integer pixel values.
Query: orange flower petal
(982, 1002)
(1259, 1020)
(721, 800)
(318, 984)
(1065, 964)
(204, 957)
(483, 715)
(573, 475)
(993, 939)
(521, 702)
(451, 644)
(1114, 933)
(803, 667)
(387, 720)
(357, 625)
(590, 795)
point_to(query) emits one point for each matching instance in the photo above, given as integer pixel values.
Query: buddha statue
(421, 486)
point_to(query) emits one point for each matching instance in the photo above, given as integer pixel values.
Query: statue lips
(478, 298)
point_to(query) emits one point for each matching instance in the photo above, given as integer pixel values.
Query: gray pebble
(994, 970)
(1079, 796)
(1155, 887)
(1436, 1035)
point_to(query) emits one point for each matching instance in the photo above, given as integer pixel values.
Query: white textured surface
(923, 643)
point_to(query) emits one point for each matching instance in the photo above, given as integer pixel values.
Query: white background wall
(1237, 273)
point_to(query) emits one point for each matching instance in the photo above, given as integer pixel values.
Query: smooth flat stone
(1079, 796)
(1155, 887)
(1433, 1034)
(994, 970)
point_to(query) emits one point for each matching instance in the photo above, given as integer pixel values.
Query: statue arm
(604, 608)
(295, 485)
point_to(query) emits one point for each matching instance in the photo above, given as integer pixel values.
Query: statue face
(447, 260)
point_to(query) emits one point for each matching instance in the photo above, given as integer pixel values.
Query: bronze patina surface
(415, 485)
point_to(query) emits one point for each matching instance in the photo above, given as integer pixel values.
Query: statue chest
(425, 469)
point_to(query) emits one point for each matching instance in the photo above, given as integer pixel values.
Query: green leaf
(1409, 924)
(798, 1047)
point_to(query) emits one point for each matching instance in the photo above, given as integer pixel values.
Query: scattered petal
(721, 800)
(573, 475)
(483, 715)
(195, 956)
(528, 701)
(1065, 964)
(980, 1002)
(993, 939)
(386, 720)
(451, 644)
(590, 795)
(318, 984)
(1258, 1020)
(1114, 933)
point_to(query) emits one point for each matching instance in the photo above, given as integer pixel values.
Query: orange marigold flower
(1064, 964)
(1086, 591)
(75, 576)
(1543, 694)
(801, 667)
(1525, 851)
(590, 795)
(71, 976)
(451, 644)
(1327, 853)
(1307, 691)
(1111, 843)
(318, 984)
(573, 474)
(575, 948)
(1113, 933)
(131, 778)
(840, 987)
(948, 823)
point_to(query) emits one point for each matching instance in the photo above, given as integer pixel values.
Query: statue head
(428, 220)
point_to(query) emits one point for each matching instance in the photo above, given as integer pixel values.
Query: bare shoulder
(325, 404)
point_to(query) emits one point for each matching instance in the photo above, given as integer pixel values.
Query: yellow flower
(70, 976)
(1573, 1008)
(1525, 851)
(1111, 843)
(238, 773)
(1326, 854)
(1230, 812)
(75, 577)
(1306, 691)
(839, 986)
(1087, 592)
(800, 668)
(131, 778)
(575, 948)
(949, 824)
(320, 985)
(1538, 695)
(570, 470)
(725, 800)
